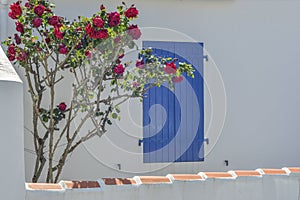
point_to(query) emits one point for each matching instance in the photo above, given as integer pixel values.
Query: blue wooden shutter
(173, 121)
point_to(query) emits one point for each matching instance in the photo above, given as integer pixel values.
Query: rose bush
(91, 49)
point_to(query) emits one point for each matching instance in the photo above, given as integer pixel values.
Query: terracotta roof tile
(294, 169)
(81, 184)
(154, 179)
(274, 171)
(161, 179)
(44, 186)
(185, 177)
(217, 175)
(119, 181)
(247, 173)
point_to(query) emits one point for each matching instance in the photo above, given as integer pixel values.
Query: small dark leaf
(114, 115)
(45, 118)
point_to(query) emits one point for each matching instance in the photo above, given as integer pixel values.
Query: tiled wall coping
(169, 179)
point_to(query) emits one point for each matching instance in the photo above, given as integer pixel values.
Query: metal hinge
(140, 142)
(206, 140)
(205, 57)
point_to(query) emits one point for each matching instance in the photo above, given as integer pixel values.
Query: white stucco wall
(12, 171)
(255, 45)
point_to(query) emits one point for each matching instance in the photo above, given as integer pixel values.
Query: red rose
(79, 45)
(15, 10)
(28, 5)
(139, 64)
(17, 39)
(59, 35)
(98, 22)
(93, 34)
(37, 22)
(19, 27)
(89, 29)
(113, 19)
(39, 10)
(177, 79)
(135, 84)
(102, 34)
(121, 56)
(170, 68)
(62, 106)
(119, 69)
(88, 54)
(22, 56)
(131, 12)
(102, 7)
(134, 32)
(117, 39)
(47, 40)
(11, 50)
(11, 57)
(53, 20)
(63, 49)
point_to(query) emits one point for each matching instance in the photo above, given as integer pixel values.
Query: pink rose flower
(134, 32)
(131, 12)
(119, 69)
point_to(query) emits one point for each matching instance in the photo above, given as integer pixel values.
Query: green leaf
(91, 95)
(45, 118)
(117, 109)
(99, 114)
(114, 115)
(56, 111)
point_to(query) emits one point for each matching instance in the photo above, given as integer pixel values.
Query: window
(174, 120)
